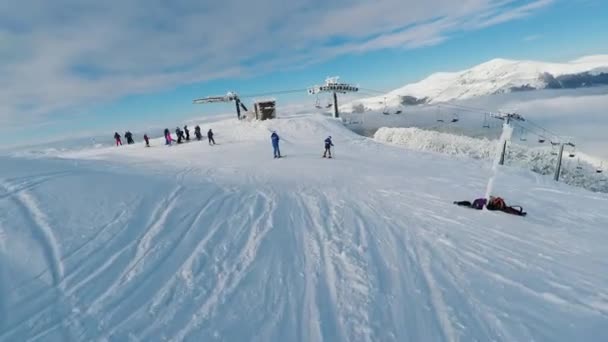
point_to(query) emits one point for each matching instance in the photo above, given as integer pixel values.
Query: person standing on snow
(179, 133)
(210, 137)
(167, 137)
(328, 145)
(129, 137)
(187, 132)
(274, 137)
(117, 138)
(147, 140)
(197, 132)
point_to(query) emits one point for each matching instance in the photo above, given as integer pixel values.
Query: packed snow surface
(223, 243)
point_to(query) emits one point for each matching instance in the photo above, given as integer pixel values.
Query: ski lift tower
(334, 87)
(229, 97)
(507, 118)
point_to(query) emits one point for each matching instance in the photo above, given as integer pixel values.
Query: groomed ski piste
(224, 243)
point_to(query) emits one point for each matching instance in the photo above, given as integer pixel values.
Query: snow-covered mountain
(495, 77)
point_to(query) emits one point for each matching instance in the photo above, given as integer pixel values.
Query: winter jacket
(275, 139)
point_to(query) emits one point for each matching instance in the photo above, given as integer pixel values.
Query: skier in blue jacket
(275, 144)
(328, 145)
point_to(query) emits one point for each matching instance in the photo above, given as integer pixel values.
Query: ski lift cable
(471, 109)
(534, 131)
(374, 91)
(278, 92)
(532, 123)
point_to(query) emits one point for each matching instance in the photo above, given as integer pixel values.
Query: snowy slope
(494, 77)
(223, 243)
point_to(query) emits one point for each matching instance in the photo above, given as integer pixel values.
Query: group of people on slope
(128, 136)
(182, 136)
(274, 138)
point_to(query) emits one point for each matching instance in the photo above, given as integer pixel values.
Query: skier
(274, 137)
(328, 145)
(187, 132)
(117, 138)
(179, 133)
(210, 137)
(197, 132)
(147, 140)
(168, 138)
(129, 137)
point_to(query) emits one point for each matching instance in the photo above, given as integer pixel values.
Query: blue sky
(70, 67)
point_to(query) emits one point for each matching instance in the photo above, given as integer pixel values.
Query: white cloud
(61, 54)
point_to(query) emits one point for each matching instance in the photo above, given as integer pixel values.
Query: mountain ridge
(496, 76)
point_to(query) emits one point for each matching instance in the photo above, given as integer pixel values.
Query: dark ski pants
(211, 141)
(327, 151)
(277, 152)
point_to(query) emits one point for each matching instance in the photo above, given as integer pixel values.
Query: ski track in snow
(223, 249)
(229, 280)
(42, 233)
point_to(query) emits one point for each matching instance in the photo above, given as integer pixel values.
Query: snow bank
(576, 172)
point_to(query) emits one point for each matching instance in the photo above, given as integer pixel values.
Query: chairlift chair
(522, 134)
(486, 123)
(439, 116)
(385, 110)
(318, 103)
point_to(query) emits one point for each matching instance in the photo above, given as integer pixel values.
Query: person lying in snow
(495, 203)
